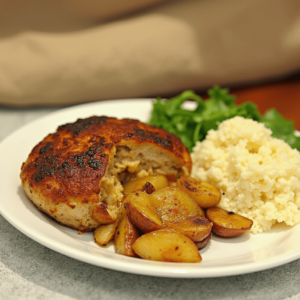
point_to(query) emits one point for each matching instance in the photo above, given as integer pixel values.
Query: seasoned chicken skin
(75, 175)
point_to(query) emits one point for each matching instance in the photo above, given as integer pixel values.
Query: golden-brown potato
(196, 228)
(125, 236)
(202, 213)
(166, 245)
(105, 233)
(202, 244)
(173, 204)
(227, 223)
(205, 194)
(158, 181)
(122, 212)
(142, 212)
(101, 214)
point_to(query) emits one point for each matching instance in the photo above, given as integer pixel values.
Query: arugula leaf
(281, 128)
(193, 125)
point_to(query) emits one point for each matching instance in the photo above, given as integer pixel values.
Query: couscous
(259, 176)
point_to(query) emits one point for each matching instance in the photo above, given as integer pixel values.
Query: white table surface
(29, 270)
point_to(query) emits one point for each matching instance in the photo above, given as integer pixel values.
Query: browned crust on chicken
(63, 171)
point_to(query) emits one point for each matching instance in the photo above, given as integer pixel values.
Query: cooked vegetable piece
(202, 244)
(122, 212)
(227, 223)
(105, 233)
(202, 213)
(158, 181)
(148, 188)
(166, 245)
(125, 236)
(205, 194)
(101, 214)
(174, 204)
(196, 228)
(142, 211)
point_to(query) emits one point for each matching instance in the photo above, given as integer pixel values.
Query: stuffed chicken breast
(75, 175)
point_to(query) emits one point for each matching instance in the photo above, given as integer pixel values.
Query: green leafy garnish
(192, 125)
(281, 128)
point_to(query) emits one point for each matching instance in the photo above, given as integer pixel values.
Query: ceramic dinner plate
(222, 257)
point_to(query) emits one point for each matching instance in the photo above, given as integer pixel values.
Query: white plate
(245, 254)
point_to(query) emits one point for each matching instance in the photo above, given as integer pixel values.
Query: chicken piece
(75, 175)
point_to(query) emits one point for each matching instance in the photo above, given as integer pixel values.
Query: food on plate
(176, 210)
(126, 235)
(105, 233)
(129, 182)
(166, 245)
(227, 223)
(158, 182)
(173, 204)
(142, 211)
(170, 209)
(258, 175)
(196, 228)
(205, 194)
(202, 244)
(75, 175)
(148, 188)
(192, 125)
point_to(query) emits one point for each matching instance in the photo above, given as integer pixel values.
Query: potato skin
(141, 211)
(205, 194)
(202, 244)
(166, 245)
(227, 224)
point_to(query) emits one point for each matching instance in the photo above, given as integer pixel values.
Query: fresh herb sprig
(192, 125)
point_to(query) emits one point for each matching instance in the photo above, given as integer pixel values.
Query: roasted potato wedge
(202, 244)
(202, 213)
(205, 194)
(196, 228)
(166, 245)
(227, 223)
(158, 181)
(122, 213)
(126, 235)
(173, 204)
(101, 215)
(142, 212)
(105, 233)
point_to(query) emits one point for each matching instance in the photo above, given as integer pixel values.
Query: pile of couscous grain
(258, 174)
